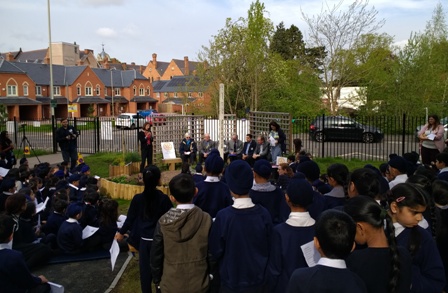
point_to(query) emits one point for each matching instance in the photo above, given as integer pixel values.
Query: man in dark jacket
(67, 137)
(248, 149)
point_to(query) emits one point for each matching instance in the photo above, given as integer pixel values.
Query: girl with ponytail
(382, 266)
(406, 204)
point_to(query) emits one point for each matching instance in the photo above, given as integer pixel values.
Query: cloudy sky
(131, 30)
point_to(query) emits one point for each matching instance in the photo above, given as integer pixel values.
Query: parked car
(443, 121)
(153, 117)
(129, 120)
(341, 128)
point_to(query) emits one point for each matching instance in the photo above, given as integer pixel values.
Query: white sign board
(281, 160)
(168, 150)
(106, 130)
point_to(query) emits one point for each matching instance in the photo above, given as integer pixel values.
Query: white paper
(187, 153)
(40, 207)
(114, 251)
(56, 288)
(96, 177)
(272, 140)
(310, 253)
(431, 136)
(88, 231)
(3, 172)
(120, 221)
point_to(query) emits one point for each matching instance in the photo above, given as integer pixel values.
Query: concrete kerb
(120, 273)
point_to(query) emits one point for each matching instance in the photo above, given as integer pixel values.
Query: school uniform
(398, 179)
(89, 216)
(317, 207)
(373, 266)
(283, 181)
(70, 236)
(272, 199)
(329, 275)
(106, 234)
(53, 224)
(428, 274)
(198, 177)
(442, 238)
(334, 198)
(75, 193)
(286, 254)
(443, 174)
(213, 195)
(240, 241)
(15, 276)
(3, 196)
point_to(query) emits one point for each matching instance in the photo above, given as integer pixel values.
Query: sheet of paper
(56, 288)
(187, 153)
(114, 251)
(431, 136)
(40, 207)
(88, 231)
(272, 140)
(3, 172)
(120, 221)
(310, 253)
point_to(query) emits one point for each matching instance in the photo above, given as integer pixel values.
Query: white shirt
(243, 203)
(185, 206)
(71, 220)
(300, 219)
(212, 179)
(443, 170)
(398, 228)
(333, 263)
(398, 179)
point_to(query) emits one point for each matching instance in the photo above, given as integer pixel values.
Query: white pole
(51, 60)
(112, 94)
(221, 119)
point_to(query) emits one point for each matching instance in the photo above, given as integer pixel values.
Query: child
(56, 218)
(70, 233)
(285, 173)
(240, 236)
(144, 211)
(407, 203)
(335, 236)
(286, 254)
(180, 246)
(14, 273)
(267, 194)
(90, 209)
(198, 176)
(364, 181)
(442, 166)
(108, 224)
(382, 266)
(213, 195)
(440, 194)
(337, 178)
(75, 193)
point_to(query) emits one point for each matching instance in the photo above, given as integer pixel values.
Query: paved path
(53, 159)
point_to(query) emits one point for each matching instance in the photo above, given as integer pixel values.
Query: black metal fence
(99, 134)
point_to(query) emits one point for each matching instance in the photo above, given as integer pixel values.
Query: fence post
(53, 132)
(97, 136)
(322, 151)
(403, 134)
(15, 131)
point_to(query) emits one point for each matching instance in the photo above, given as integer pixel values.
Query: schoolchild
(198, 176)
(285, 173)
(70, 233)
(90, 213)
(14, 272)
(383, 266)
(263, 192)
(108, 224)
(213, 195)
(56, 218)
(398, 168)
(8, 187)
(144, 211)
(442, 166)
(364, 181)
(334, 239)
(241, 235)
(76, 193)
(311, 171)
(337, 178)
(85, 174)
(407, 203)
(286, 254)
(180, 247)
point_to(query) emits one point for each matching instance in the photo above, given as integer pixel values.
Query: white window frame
(38, 90)
(56, 91)
(165, 94)
(175, 94)
(12, 90)
(200, 94)
(117, 91)
(158, 95)
(25, 90)
(78, 90)
(88, 90)
(98, 90)
(141, 91)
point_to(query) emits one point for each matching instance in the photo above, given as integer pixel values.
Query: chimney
(132, 63)
(154, 60)
(141, 69)
(9, 57)
(47, 60)
(187, 66)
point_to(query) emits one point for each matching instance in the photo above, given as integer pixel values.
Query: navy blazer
(252, 145)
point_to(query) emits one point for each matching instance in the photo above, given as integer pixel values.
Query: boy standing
(180, 243)
(240, 236)
(335, 240)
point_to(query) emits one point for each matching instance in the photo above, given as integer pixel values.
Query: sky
(132, 30)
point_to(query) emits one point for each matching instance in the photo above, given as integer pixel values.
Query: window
(25, 90)
(141, 91)
(89, 91)
(166, 95)
(78, 90)
(38, 90)
(135, 90)
(117, 92)
(148, 91)
(158, 95)
(175, 94)
(189, 94)
(98, 90)
(56, 90)
(12, 90)
(200, 94)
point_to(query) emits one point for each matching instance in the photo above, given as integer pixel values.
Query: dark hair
(292, 158)
(61, 194)
(14, 204)
(339, 172)
(366, 209)
(109, 212)
(185, 168)
(426, 171)
(151, 178)
(13, 173)
(408, 195)
(289, 171)
(366, 182)
(275, 124)
(29, 211)
(6, 227)
(436, 120)
(440, 192)
(443, 158)
(183, 188)
(250, 135)
(60, 205)
(91, 196)
(297, 145)
(336, 232)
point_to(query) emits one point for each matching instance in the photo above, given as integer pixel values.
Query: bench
(172, 163)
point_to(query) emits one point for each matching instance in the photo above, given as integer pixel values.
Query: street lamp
(51, 61)
(112, 87)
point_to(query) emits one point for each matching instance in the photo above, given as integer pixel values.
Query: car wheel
(368, 137)
(319, 136)
(133, 126)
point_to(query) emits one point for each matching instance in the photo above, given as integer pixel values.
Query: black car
(340, 128)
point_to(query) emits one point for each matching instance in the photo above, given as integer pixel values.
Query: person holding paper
(188, 149)
(431, 140)
(146, 145)
(287, 238)
(15, 275)
(67, 137)
(277, 140)
(7, 147)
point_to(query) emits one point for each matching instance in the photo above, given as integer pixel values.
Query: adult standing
(67, 137)
(277, 141)
(7, 147)
(205, 147)
(145, 137)
(188, 149)
(431, 140)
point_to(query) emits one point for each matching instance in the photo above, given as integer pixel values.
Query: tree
(337, 30)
